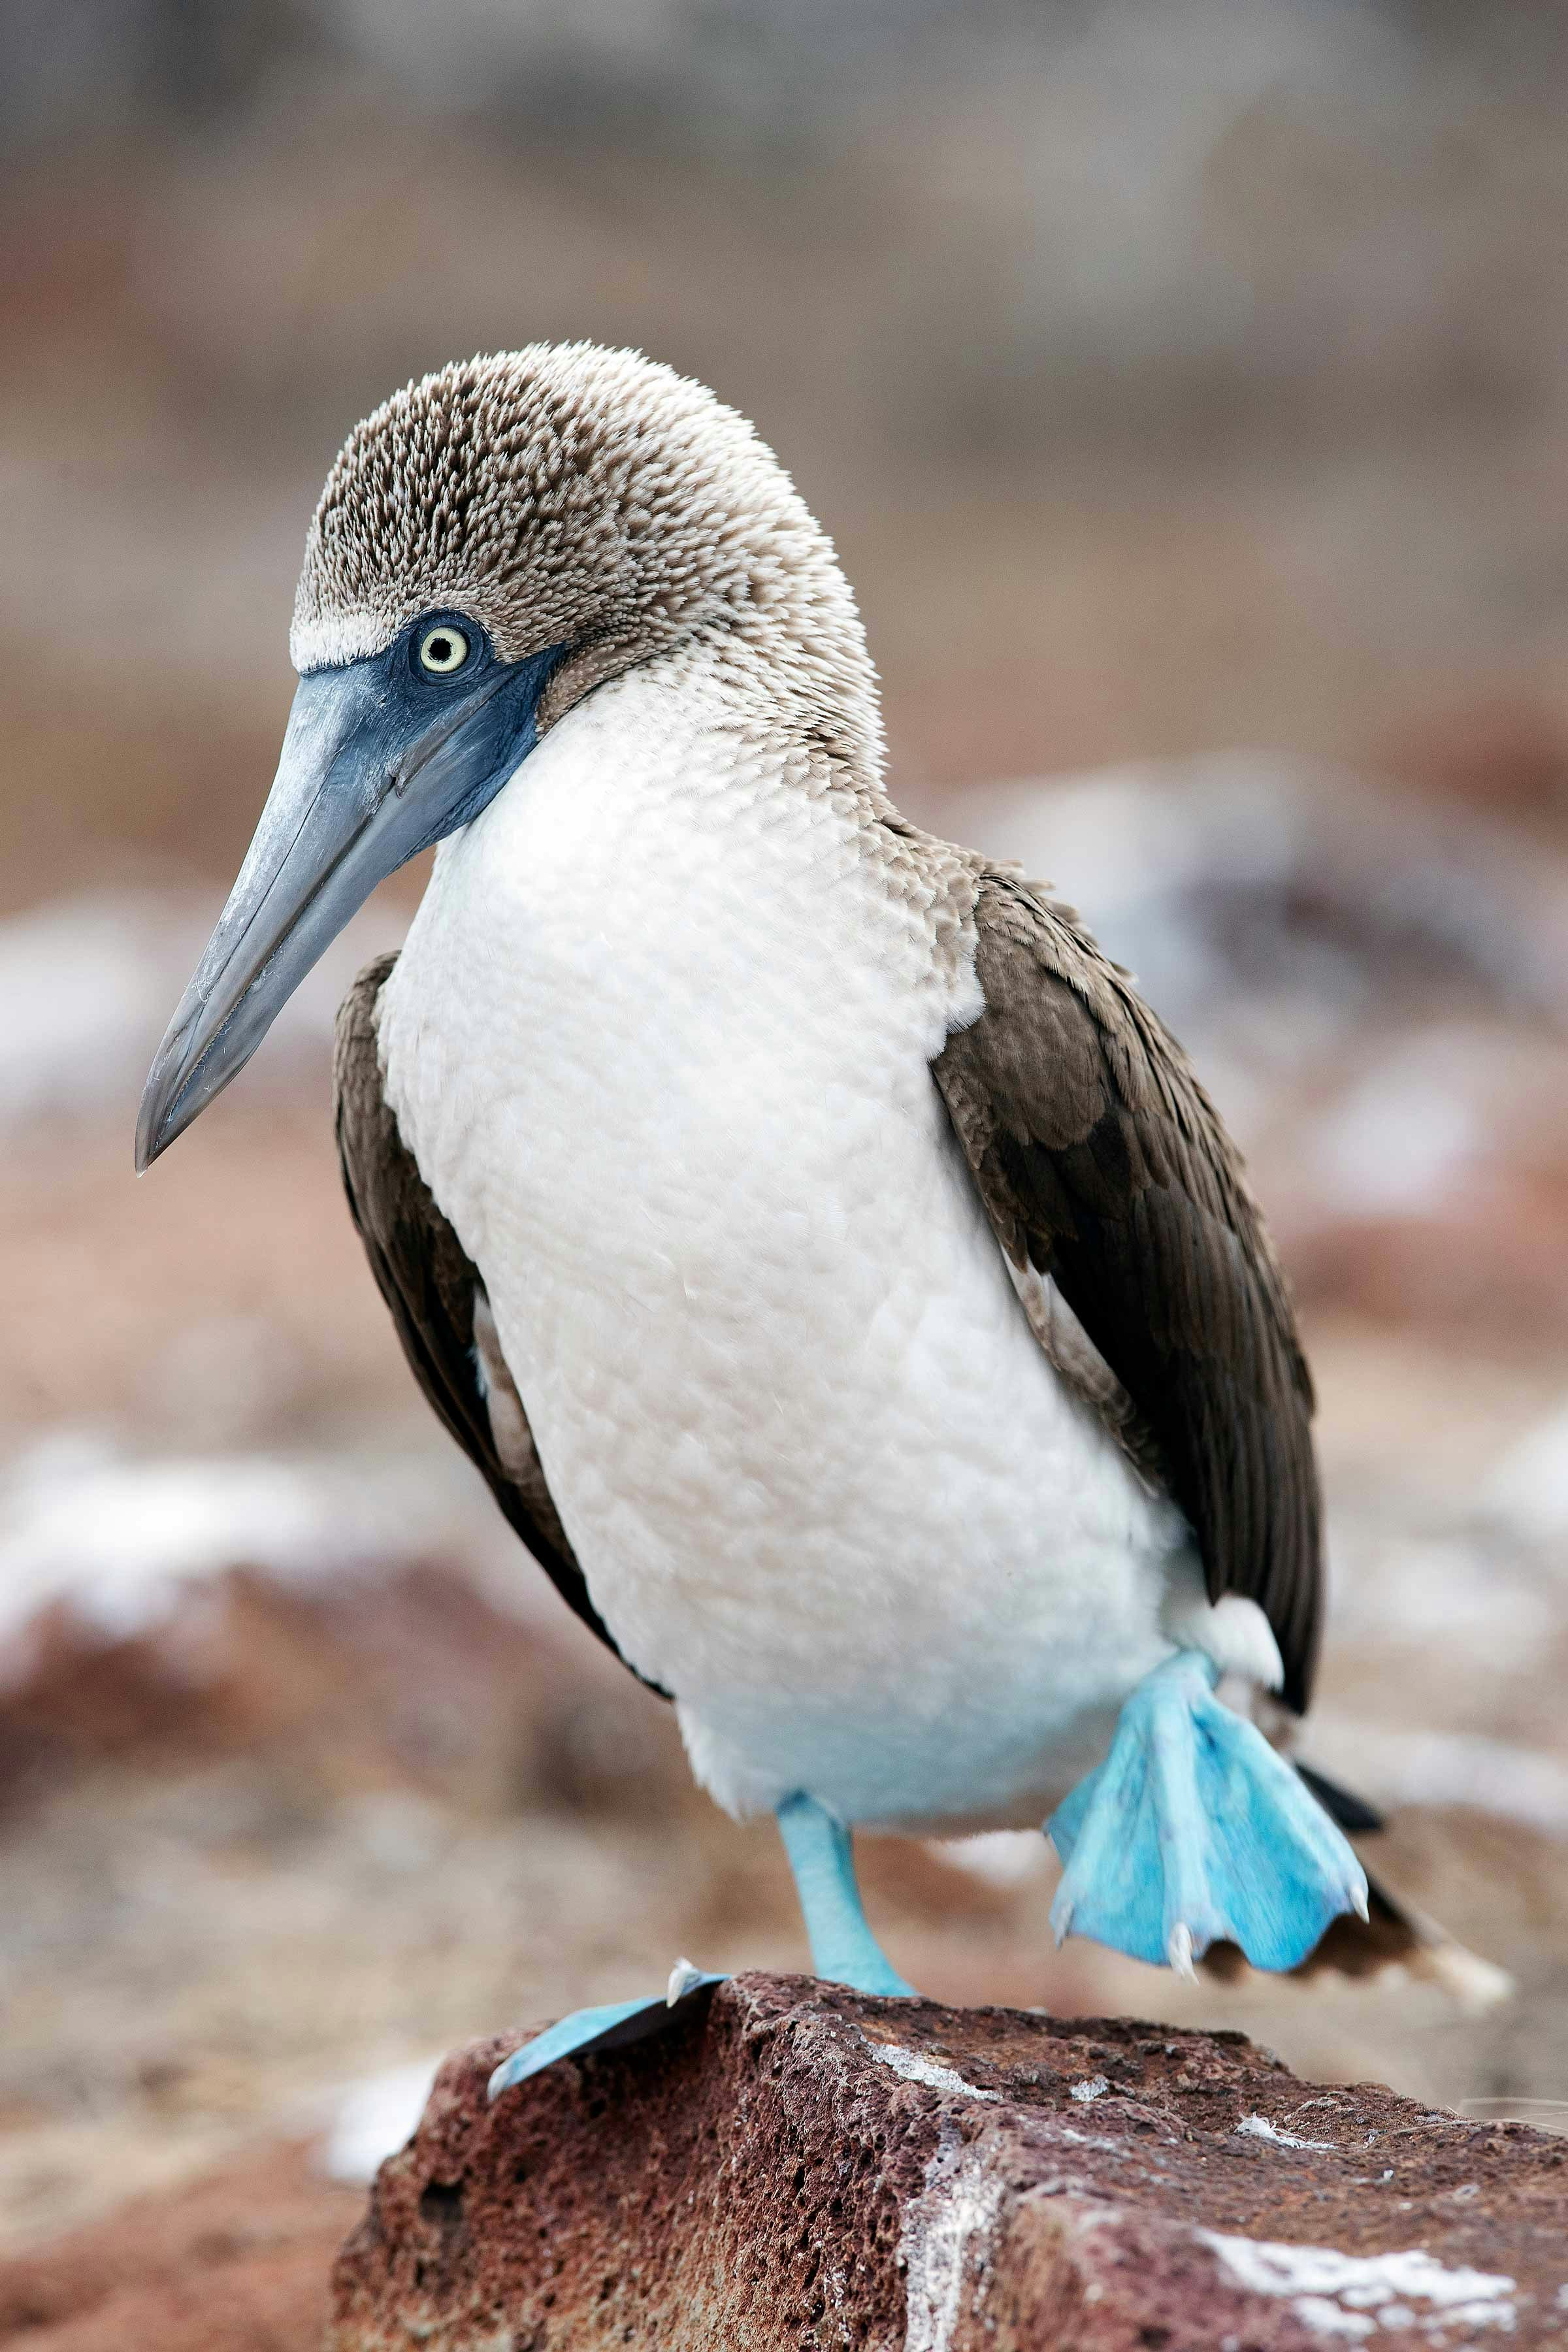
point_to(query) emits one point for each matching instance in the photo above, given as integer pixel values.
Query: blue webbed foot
(1194, 1831)
(610, 2027)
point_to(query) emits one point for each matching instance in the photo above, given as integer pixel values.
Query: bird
(840, 1274)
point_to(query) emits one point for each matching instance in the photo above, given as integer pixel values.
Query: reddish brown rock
(806, 2168)
(235, 2262)
(406, 1675)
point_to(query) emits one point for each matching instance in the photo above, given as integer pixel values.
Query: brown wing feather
(431, 1288)
(1102, 1163)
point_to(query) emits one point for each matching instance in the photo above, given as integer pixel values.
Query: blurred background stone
(1187, 393)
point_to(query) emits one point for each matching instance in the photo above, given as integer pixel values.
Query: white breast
(660, 1042)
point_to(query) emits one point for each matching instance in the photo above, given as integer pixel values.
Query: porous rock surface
(801, 2168)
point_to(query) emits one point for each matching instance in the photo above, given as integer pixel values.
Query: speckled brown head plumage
(565, 495)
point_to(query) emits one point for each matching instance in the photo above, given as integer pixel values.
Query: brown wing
(437, 1299)
(1103, 1164)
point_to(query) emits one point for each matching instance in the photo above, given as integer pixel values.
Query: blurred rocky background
(1186, 388)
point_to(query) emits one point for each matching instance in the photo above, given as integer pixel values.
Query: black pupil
(441, 649)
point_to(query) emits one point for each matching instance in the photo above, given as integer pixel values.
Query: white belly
(660, 1042)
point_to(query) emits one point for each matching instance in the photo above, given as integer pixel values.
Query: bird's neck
(796, 676)
(686, 777)
(674, 871)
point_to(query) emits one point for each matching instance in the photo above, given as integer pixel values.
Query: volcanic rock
(800, 2166)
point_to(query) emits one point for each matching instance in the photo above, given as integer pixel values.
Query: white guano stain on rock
(945, 2243)
(1354, 2295)
(1259, 2127)
(1325, 2318)
(916, 2067)
(1086, 2093)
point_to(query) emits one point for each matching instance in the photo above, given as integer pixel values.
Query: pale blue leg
(1194, 1831)
(843, 1948)
(610, 2027)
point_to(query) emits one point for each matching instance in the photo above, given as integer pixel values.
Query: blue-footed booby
(838, 1273)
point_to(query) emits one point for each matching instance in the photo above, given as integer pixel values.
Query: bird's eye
(442, 650)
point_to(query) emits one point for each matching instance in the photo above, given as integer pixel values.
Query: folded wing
(439, 1301)
(1104, 1167)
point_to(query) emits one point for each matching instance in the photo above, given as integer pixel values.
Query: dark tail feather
(1394, 1940)
(1353, 1814)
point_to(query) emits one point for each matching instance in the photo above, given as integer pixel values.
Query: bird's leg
(843, 1948)
(1194, 1831)
(610, 2027)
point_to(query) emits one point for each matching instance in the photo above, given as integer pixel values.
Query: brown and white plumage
(842, 1280)
(437, 1301)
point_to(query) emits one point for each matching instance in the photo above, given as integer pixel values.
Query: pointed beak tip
(155, 1129)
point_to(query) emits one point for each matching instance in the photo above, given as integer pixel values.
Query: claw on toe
(684, 1976)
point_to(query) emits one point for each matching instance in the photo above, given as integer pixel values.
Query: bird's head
(492, 544)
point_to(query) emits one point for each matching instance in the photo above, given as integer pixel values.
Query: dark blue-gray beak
(379, 762)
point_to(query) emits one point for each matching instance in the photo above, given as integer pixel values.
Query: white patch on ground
(1448, 1767)
(1404, 1137)
(1003, 1858)
(916, 2067)
(945, 2235)
(117, 1538)
(1259, 2127)
(1160, 853)
(121, 1541)
(1497, 1611)
(375, 2118)
(1337, 2294)
(1529, 1487)
(1086, 2093)
(89, 984)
